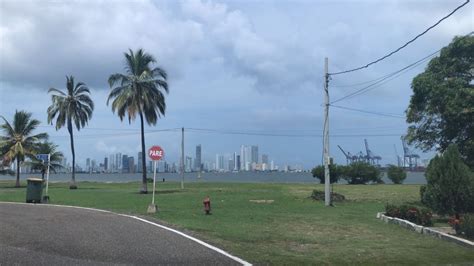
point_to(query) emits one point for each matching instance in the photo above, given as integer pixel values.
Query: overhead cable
(403, 46)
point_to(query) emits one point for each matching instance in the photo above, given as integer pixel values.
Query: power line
(403, 46)
(368, 112)
(386, 78)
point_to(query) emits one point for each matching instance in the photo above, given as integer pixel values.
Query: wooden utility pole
(182, 158)
(327, 179)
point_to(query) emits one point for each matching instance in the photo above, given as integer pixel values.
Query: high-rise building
(93, 166)
(246, 157)
(106, 164)
(254, 155)
(111, 163)
(188, 164)
(231, 164)
(88, 164)
(118, 161)
(131, 164)
(139, 163)
(197, 161)
(236, 159)
(219, 162)
(264, 159)
(237, 163)
(125, 168)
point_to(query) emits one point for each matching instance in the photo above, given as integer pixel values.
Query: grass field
(293, 230)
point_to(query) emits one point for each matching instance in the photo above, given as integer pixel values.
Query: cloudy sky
(240, 66)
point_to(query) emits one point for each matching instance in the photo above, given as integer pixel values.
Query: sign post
(155, 153)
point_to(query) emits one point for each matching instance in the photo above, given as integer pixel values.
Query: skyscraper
(254, 155)
(139, 163)
(188, 164)
(197, 161)
(118, 161)
(236, 162)
(106, 164)
(125, 168)
(264, 159)
(245, 157)
(131, 164)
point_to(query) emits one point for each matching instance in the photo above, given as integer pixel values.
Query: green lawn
(292, 230)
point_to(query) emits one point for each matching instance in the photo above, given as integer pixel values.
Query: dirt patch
(262, 201)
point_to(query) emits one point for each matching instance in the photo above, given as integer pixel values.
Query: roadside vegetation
(292, 230)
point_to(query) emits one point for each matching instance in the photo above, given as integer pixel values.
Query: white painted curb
(239, 260)
(425, 230)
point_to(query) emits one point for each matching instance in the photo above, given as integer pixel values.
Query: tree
(441, 109)
(396, 174)
(55, 158)
(450, 184)
(335, 172)
(361, 173)
(74, 106)
(18, 140)
(139, 91)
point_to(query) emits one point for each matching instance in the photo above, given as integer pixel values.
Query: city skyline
(227, 162)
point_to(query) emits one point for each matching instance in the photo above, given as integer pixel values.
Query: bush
(422, 216)
(361, 173)
(319, 195)
(396, 174)
(466, 226)
(335, 172)
(450, 184)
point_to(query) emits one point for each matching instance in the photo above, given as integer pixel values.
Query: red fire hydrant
(207, 205)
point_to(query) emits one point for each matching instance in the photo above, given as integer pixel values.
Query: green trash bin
(34, 190)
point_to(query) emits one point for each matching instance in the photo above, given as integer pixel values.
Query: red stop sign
(156, 153)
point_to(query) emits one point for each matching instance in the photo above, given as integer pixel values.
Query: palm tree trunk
(72, 185)
(144, 189)
(17, 184)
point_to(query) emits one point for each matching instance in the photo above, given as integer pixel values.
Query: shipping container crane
(349, 157)
(409, 158)
(371, 157)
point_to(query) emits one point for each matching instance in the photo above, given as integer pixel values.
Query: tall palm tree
(55, 158)
(18, 140)
(139, 91)
(72, 106)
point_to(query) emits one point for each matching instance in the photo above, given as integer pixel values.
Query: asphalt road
(49, 235)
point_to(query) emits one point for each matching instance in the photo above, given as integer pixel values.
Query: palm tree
(18, 140)
(72, 106)
(55, 158)
(139, 91)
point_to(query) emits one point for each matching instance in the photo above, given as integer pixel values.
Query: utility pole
(182, 158)
(327, 180)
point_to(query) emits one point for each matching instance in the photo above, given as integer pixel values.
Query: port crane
(410, 159)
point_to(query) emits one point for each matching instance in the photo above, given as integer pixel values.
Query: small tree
(450, 187)
(335, 172)
(361, 173)
(396, 174)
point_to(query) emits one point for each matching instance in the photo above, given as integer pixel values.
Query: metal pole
(327, 180)
(182, 158)
(154, 182)
(47, 175)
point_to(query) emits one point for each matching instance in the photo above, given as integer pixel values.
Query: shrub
(361, 173)
(450, 184)
(319, 195)
(335, 172)
(396, 174)
(422, 216)
(466, 226)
